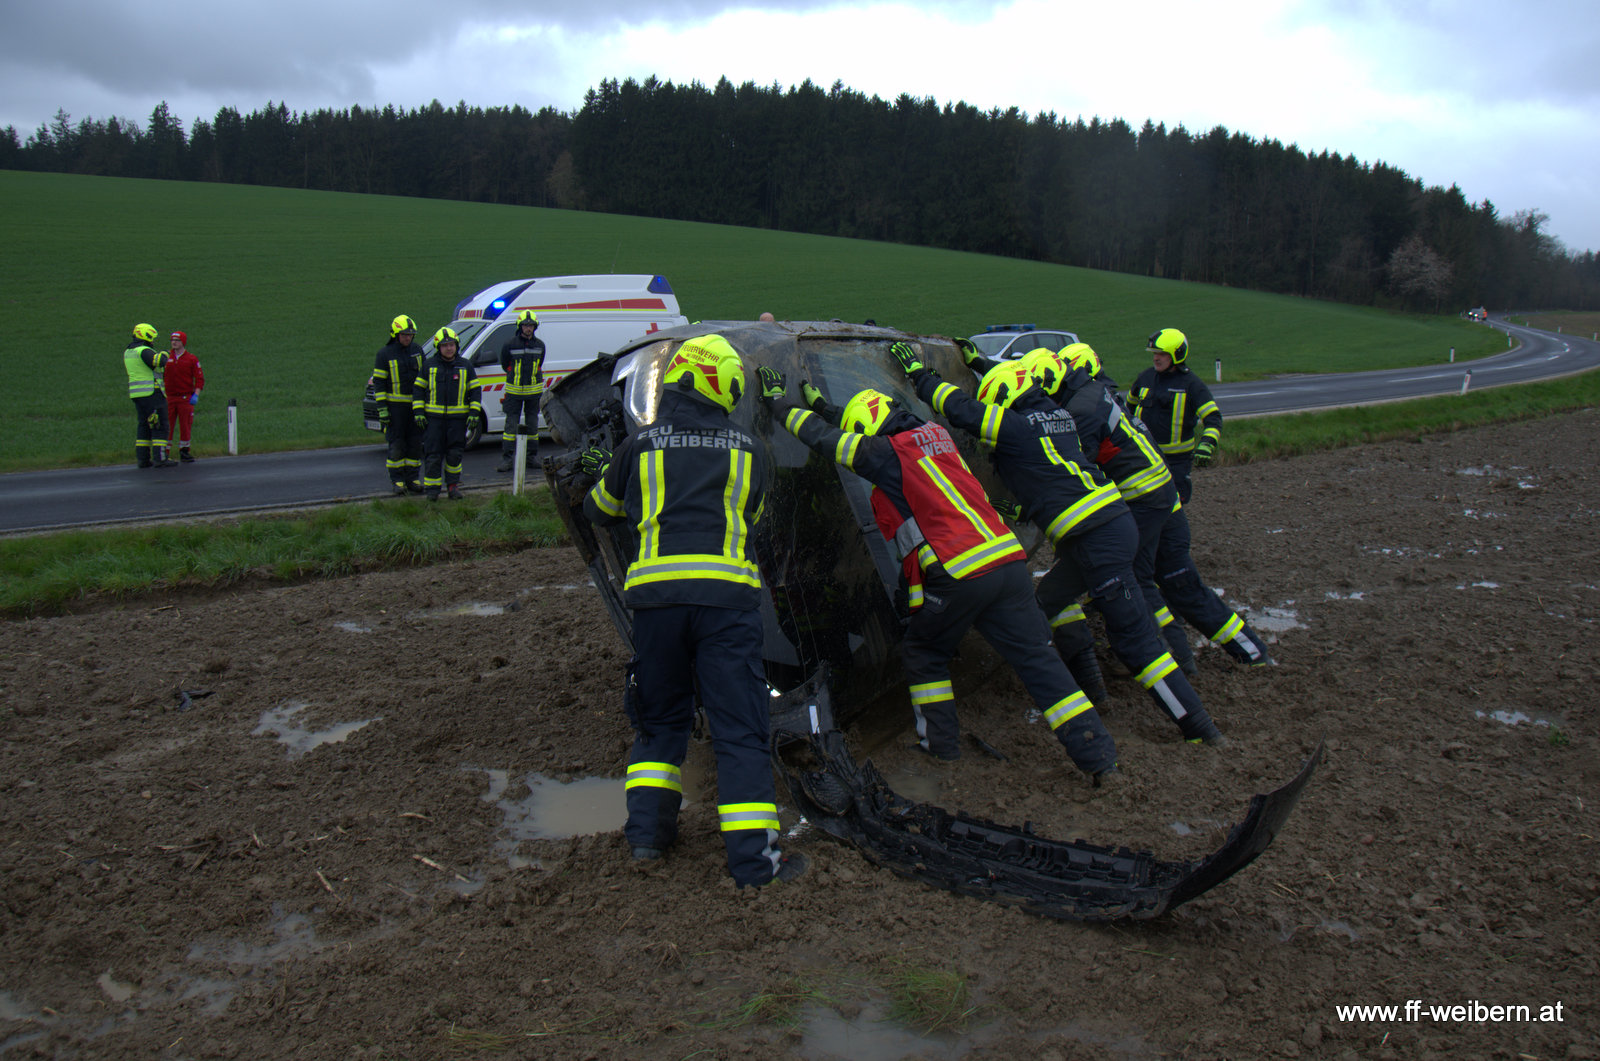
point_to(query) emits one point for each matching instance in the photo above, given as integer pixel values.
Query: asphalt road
(53, 500)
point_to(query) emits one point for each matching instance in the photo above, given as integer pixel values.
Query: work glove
(773, 385)
(817, 403)
(383, 413)
(594, 461)
(910, 363)
(1009, 509)
(1204, 452)
(969, 354)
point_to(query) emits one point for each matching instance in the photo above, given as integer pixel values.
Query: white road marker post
(519, 473)
(1452, 355)
(1219, 370)
(233, 427)
(1466, 381)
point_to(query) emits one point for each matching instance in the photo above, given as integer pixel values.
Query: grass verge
(1269, 437)
(52, 573)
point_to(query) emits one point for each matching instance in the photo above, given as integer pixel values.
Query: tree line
(1217, 207)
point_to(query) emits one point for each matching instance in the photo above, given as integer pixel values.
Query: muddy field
(392, 828)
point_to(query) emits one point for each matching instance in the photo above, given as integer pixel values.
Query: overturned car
(832, 628)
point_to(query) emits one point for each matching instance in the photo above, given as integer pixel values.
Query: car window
(488, 352)
(990, 345)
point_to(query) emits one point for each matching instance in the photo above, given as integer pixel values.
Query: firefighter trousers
(521, 410)
(999, 604)
(444, 442)
(1152, 519)
(680, 650)
(1100, 561)
(403, 433)
(149, 433)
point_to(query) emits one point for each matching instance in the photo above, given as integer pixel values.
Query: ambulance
(580, 317)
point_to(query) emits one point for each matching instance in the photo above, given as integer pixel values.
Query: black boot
(1085, 668)
(185, 456)
(505, 463)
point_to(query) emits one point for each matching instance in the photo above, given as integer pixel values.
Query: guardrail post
(233, 427)
(1466, 381)
(519, 472)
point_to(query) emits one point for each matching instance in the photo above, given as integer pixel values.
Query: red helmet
(182, 337)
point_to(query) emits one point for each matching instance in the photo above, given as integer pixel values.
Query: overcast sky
(1502, 99)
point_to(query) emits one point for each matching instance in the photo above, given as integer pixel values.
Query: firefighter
(446, 392)
(693, 485)
(184, 382)
(961, 566)
(144, 365)
(522, 360)
(393, 377)
(1039, 457)
(1177, 408)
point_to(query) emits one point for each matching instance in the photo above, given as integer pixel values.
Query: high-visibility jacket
(1116, 441)
(927, 501)
(395, 371)
(446, 388)
(142, 363)
(1177, 408)
(1036, 452)
(692, 485)
(522, 360)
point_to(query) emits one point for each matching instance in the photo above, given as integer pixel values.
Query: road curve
(82, 497)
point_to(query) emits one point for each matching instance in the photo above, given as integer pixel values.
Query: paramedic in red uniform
(184, 382)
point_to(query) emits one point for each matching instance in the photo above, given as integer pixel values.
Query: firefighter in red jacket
(962, 566)
(694, 484)
(184, 382)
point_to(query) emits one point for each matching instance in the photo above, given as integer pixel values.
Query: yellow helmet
(1004, 383)
(1172, 342)
(1047, 367)
(866, 411)
(711, 366)
(527, 316)
(144, 333)
(400, 324)
(1082, 355)
(445, 335)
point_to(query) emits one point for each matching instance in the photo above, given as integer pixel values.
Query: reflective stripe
(680, 566)
(989, 428)
(940, 393)
(1064, 711)
(735, 495)
(735, 816)
(994, 547)
(1072, 613)
(932, 692)
(1158, 670)
(1229, 629)
(908, 539)
(652, 498)
(655, 775)
(611, 506)
(845, 451)
(1164, 616)
(1063, 524)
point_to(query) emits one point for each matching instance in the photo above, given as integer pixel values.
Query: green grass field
(286, 295)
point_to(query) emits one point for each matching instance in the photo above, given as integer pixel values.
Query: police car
(580, 317)
(1006, 342)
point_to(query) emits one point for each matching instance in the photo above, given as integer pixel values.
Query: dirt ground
(224, 877)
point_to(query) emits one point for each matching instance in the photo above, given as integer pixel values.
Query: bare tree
(1417, 271)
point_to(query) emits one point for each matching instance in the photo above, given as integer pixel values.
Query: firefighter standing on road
(393, 377)
(962, 566)
(522, 360)
(184, 382)
(144, 365)
(1038, 454)
(1177, 408)
(445, 394)
(693, 485)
